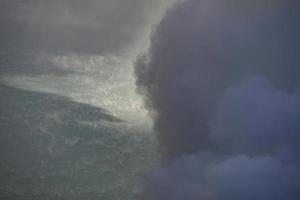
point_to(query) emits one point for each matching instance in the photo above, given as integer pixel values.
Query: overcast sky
(81, 49)
(59, 27)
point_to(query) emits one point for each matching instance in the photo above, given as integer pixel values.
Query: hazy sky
(71, 124)
(82, 49)
(220, 78)
(62, 26)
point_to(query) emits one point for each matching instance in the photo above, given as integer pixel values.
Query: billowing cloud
(256, 118)
(221, 80)
(201, 48)
(254, 151)
(204, 176)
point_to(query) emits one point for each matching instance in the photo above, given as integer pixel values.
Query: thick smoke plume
(221, 80)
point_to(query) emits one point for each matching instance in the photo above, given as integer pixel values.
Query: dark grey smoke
(221, 80)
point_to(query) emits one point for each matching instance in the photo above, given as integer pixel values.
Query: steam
(221, 80)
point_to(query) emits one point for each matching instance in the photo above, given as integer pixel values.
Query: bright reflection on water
(106, 82)
(82, 134)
